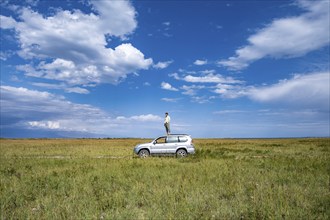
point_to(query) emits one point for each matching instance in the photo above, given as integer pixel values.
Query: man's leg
(168, 130)
(167, 127)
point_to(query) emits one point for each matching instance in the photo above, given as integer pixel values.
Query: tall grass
(225, 179)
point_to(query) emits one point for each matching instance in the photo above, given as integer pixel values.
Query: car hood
(143, 145)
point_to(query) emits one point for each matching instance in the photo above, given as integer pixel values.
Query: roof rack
(178, 134)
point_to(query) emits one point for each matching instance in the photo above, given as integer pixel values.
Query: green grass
(225, 179)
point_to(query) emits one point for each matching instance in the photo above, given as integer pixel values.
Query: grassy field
(225, 179)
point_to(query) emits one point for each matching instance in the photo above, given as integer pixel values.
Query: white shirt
(167, 119)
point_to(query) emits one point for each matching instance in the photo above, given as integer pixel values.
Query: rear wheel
(181, 153)
(144, 153)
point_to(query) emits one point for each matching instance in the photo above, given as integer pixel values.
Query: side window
(161, 140)
(172, 139)
(183, 139)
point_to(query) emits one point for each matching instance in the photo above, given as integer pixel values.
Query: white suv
(179, 144)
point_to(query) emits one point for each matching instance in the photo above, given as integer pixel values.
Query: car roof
(170, 135)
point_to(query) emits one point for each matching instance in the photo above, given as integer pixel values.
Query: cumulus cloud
(175, 76)
(4, 55)
(228, 91)
(191, 90)
(33, 109)
(310, 90)
(200, 62)
(45, 124)
(286, 37)
(302, 90)
(7, 22)
(77, 90)
(121, 14)
(171, 99)
(72, 47)
(141, 118)
(162, 65)
(166, 23)
(206, 76)
(225, 86)
(167, 86)
(202, 99)
(210, 78)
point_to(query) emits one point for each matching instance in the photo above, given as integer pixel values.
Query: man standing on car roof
(167, 123)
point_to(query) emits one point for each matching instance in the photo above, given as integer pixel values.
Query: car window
(183, 139)
(161, 140)
(172, 139)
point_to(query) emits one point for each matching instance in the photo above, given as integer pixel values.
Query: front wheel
(181, 153)
(144, 153)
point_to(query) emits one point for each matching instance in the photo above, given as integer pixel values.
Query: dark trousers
(167, 127)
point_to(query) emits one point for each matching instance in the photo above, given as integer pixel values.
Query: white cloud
(45, 124)
(207, 76)
(191, 90)
(226, 87)
(210, 78)
(230, 91)
(205, 72)
(34, 104)
(77, 90)
(166, 23)
(62, 86)
(121, 14)
(125, 58)
(171, 99)
(4, 55)
(311, 90)
(148, 117)
(75, 44)
(165, 28)
(138, 118)
(200, 62)
(286, 37)
(175, 76)
(202, 99)
(32, 109)
(7, 22)
(162, 65)
(303, 90)
(167, 86)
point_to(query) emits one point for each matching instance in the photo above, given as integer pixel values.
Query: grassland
(225, 179)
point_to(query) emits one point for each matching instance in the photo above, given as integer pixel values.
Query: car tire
(144, 153)
(181, 153)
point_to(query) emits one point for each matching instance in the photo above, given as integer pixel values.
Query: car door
(158, 146)
(171, 144)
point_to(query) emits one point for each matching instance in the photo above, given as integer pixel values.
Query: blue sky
(238, 69)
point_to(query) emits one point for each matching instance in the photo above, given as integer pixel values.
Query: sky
(112, 68)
